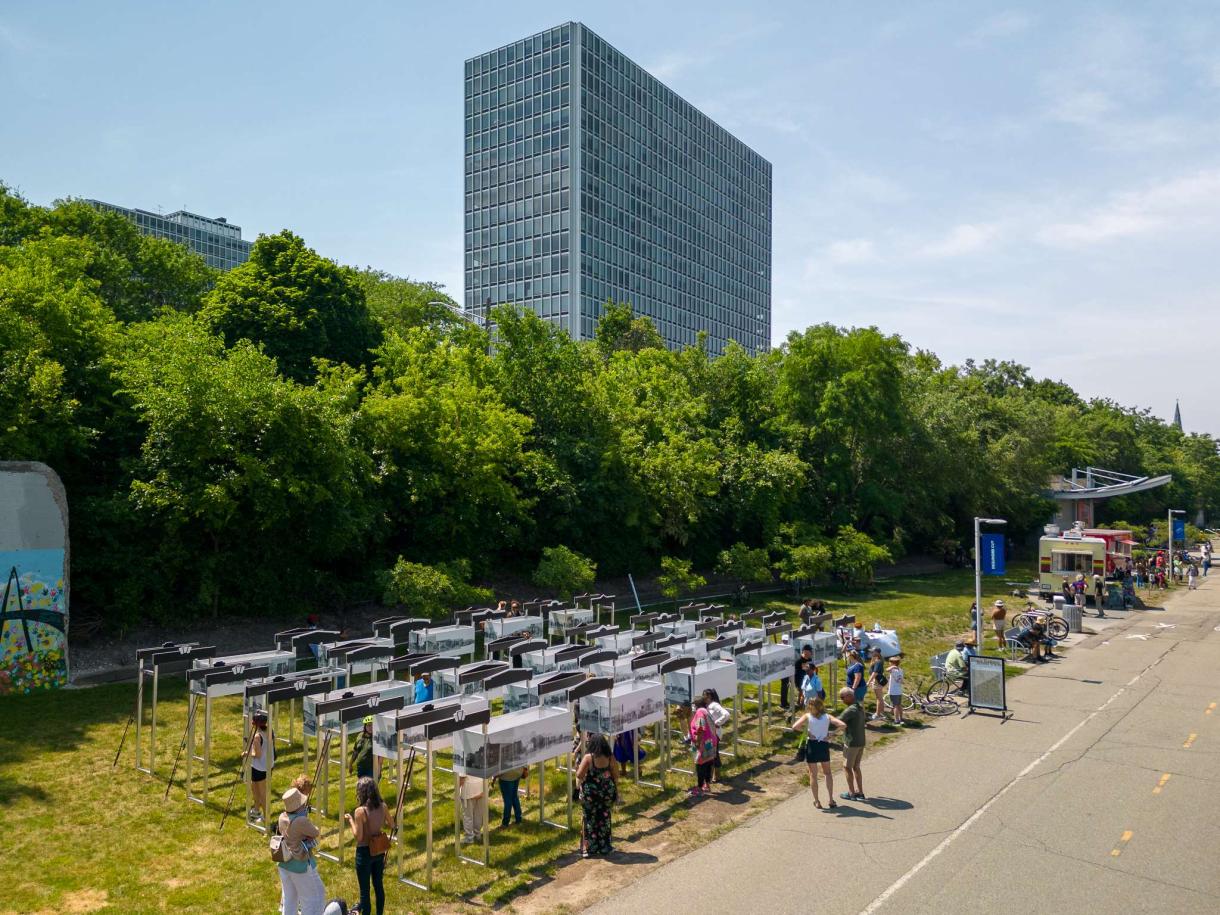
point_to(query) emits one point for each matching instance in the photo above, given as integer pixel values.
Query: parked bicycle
(936, 700)
(1056, 626)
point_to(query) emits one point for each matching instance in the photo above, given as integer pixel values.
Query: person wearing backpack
(367, 824)
(292, 850)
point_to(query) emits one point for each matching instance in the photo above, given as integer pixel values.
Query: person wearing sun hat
(999, 615)
(299, 876)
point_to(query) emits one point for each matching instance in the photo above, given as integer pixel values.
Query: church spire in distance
(1177, 415)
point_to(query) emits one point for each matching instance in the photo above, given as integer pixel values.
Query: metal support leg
(152, 725)
(207, 744)
(140, 717)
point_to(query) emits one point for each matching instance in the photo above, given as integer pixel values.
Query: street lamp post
(1169, 534)
(978, 579)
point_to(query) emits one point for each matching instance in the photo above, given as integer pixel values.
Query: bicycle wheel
(1057, 629)
(1022, 621)
(908, 702)
(939, 708)
(939, 691)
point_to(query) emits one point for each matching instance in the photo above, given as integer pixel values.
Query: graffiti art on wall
(33, 621)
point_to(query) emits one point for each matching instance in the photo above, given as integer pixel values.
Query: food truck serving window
(1071, 561)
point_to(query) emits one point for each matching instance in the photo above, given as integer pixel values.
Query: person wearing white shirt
(816, 723)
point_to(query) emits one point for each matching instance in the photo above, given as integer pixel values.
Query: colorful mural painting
(33, 621)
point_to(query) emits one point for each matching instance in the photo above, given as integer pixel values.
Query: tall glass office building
(218, 240)
(588, 180)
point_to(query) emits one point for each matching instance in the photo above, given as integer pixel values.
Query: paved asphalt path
(1099, 796)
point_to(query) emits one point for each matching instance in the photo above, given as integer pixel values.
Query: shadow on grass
(11, 791)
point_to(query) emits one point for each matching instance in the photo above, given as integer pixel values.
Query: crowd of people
(702, 724)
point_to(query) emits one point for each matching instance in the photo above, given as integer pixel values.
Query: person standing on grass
(896, 676)
(361, 761)
(816, 725)
(470, 792)
(367, 824)
(720, 717)
(855, 676)
(262, 757)
(597, 780)
(798, 676)
(877, 681)
(853, 718)
(299, 878)
(705, 744)
(510, 791)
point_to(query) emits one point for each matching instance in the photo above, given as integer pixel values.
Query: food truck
(1118, 548)
(1061, 557)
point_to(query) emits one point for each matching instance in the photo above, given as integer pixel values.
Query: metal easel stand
(192, 709)
(635, 764)
(542, 793)
(741, 701)
(191, 756)
(402, 878)
(669, 739)
(341, 829)
(152, 725)
(457, 818)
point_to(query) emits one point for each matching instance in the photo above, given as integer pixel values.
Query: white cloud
(1177, 203)
(851, 251)
(966, 238)
(1083, 107)
(1002, 25)
(674, 63)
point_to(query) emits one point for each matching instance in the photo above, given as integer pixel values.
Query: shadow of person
(887, 803)
(630, 857)
(844, 810)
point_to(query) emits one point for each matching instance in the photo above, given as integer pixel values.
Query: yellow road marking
(1189, 741)
(1118, 850)
(1161, 783)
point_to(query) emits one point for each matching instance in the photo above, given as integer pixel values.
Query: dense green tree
(250, 481)
(446, 448)
(431, 591)
(620, 330)
(296, 304)
(564, 571)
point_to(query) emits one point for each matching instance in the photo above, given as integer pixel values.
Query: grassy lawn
(81, 836)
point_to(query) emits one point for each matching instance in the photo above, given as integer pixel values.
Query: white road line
(978, 814)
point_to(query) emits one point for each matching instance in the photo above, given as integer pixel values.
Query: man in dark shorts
(853, 744)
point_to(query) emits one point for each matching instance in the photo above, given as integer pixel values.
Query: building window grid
(691, 168)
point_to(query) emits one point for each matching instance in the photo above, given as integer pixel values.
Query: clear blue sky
(1037, 182)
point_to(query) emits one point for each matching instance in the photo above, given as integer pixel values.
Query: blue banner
(993, 554)
(1179, 531)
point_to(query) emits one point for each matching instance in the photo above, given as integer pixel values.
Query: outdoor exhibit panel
(514, 740)
(34, 560)
(630, 705)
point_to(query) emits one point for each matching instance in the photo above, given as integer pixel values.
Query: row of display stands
(601, 679)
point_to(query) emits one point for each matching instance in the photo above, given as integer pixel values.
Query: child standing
(896, 676)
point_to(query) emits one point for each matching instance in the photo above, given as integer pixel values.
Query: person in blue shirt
(425, 690)
(855, 677)
(811, 683)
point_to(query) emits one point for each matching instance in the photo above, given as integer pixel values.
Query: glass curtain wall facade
(588, 180)
(218, 240)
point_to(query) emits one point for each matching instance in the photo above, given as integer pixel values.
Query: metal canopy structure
(1076, 494)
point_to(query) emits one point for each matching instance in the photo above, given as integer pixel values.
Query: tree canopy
(295, 433)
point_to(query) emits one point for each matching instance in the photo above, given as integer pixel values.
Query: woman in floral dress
(597, 777)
